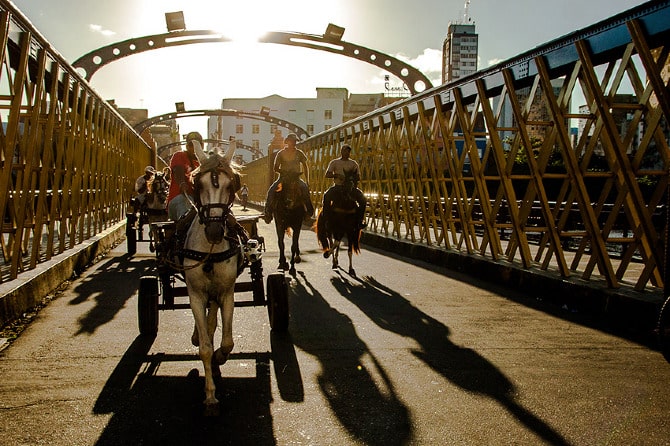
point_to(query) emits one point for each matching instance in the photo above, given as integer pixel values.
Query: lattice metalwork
(490, 165)
(69, 161)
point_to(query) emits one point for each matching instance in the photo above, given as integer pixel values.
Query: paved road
(402, 354)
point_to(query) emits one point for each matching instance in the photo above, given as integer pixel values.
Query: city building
(460, 49)
(331, 107)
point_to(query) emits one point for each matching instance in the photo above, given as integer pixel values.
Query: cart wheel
(278, 302)
(664, 329)
(147, 306)
(131, 233)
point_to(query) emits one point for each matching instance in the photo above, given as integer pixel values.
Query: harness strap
(208, 256)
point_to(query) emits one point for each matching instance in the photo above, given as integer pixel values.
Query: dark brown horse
(289, 213)
(338, 222)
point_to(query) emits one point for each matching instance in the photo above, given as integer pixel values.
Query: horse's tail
(356, 242)
(321, 234)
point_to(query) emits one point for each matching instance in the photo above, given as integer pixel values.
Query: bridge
(465, 175)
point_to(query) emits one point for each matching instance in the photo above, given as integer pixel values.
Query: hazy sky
(202, 75)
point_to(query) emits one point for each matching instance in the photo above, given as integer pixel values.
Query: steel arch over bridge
(93, 61)
(302, 133)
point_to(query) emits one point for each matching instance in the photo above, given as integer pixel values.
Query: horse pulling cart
(160, 290)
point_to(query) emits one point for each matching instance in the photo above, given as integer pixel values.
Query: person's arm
(305, 168)
(141, 185)
(179, 175)
(277, 165)
(329, 171)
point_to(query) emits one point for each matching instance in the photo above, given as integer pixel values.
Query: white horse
(211, 260)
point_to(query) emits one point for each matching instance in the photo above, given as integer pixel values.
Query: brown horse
(338, 222)
(289, 213)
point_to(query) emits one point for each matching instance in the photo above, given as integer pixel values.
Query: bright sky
(202, 75)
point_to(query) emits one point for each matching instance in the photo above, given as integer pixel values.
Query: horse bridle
(205, 210)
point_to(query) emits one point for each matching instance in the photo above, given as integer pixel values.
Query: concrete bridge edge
(32, 287)
(620, 309)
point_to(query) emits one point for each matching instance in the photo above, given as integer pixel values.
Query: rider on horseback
(341, 169)
(287, 164)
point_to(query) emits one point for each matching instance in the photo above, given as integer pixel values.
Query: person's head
(291, 139)
(190, 137)
(345, 151)
(149, 171)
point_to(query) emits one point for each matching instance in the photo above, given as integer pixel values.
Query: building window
(327, 114)
(255, 144)
(273, 128)
(255, 128)
(327, 127)
(310, 129)
(239, 128)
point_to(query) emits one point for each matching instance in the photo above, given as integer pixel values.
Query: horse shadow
(462, 366)
(353, 382)
(148, 408)
(108, 285)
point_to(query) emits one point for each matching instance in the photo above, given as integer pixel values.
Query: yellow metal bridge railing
(490, 165)
(69, 160)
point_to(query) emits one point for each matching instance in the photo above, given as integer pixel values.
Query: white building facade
(314, 115)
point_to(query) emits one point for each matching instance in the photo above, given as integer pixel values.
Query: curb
(29, 289)
(618, 308)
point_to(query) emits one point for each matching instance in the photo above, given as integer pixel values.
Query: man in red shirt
(182, 165)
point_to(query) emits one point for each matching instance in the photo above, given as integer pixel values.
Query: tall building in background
(460, 49)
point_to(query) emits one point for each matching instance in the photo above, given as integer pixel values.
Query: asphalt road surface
(401, 354)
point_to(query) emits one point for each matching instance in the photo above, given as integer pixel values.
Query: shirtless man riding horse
(288, 163)
(341, 170)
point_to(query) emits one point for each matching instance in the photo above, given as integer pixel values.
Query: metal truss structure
(488, 166)
(485, 166)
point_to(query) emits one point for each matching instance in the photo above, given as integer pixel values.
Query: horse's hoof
(283, 266)
(291, 271)
(219, 357)
(297, 259)
(326, 254)
(352, 273)
(211, 410)
(334, 266)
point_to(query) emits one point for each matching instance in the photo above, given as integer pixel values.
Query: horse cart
(161, 289)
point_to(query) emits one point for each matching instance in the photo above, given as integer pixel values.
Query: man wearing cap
(288, 162)
(142, 186)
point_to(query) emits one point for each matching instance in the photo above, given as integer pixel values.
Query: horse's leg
(295, 247)
(205, 350)
(335, 249)
(350, 251)
(280, 244)
(227, 343)
(212, 320)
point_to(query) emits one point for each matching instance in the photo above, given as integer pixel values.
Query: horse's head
(216, 181)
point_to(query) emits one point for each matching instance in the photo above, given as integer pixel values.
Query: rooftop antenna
(466, 18)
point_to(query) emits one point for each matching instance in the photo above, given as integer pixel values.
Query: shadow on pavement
(367, 408)
(111, 285)
(463, 367)
(149, 408)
